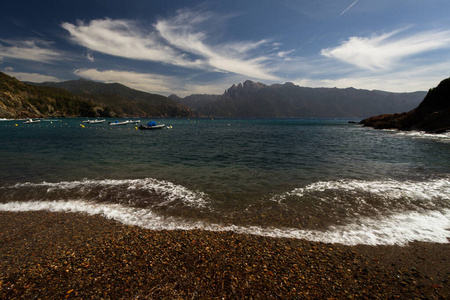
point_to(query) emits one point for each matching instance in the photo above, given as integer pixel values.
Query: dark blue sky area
(187, 47)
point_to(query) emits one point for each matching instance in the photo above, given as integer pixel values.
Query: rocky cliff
(258, 100)
(432, 114)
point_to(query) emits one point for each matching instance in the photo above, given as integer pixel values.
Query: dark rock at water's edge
(432, 114)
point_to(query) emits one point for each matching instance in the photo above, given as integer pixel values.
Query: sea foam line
(440, 137)
(439, 188)
(400, 229)
(169, 190)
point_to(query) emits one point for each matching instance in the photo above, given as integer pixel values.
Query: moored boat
(151, 126)
(29, 121)
(95, 121)
(118, 123)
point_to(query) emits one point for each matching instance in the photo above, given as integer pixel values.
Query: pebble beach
(45, 255)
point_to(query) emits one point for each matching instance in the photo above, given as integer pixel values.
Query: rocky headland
(432, 115)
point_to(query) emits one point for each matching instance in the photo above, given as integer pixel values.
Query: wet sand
(47, 255)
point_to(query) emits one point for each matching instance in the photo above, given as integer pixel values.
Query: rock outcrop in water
(432, 114)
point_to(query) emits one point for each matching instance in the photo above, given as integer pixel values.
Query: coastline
(71, 255)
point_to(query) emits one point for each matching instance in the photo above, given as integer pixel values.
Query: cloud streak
(178, 41)
(152, 83)
(32, 77)
(139, 81)
(383, 52)
(343, 12)
(122, 38)
(31, 50)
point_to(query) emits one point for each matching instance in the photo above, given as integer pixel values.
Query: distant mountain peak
(247, 88)
(255, 99)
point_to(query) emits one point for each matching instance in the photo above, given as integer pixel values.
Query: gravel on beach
(45, 255)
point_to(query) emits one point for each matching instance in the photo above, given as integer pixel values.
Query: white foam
(441, 137)
(425, 191)
(401, 228)
(168, 190)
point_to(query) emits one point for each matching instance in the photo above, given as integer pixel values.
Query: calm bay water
(319, 179)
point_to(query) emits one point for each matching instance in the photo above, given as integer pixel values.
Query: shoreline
(72, 255)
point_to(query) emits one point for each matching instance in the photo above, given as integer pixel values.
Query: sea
(318, 179)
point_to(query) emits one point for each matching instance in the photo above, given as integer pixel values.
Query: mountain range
(85, 98)
(257, 100)
(82, 98)
(21, 100)
(115, 99)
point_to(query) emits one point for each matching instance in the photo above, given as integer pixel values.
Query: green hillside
(21, 100)
(82, 98)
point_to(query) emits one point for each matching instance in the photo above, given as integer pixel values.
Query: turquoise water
(322, 179)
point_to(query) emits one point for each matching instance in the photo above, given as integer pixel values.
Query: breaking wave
(374, 212)
(395, 229)
(131, 190)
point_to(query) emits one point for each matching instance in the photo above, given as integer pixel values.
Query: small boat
(118, 123)
(29, 121)
(134, 121)
(151, 126)
(95, 121)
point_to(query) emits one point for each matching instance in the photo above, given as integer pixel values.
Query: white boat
(29, 121)
(95, 121)
(133, 121)
(118, 123)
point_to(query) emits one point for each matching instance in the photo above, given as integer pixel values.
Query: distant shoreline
(57, 255)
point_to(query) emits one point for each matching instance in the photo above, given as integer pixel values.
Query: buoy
(17, 125)
(135, 128)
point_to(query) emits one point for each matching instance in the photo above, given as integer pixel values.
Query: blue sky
(196, 47)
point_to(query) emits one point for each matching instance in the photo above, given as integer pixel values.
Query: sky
(189, 47)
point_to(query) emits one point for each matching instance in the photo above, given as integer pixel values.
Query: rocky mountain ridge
(248, 99)
(251, 99)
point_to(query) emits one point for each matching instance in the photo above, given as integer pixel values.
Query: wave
(362, 197)
(440, 137)
(354, 211)
(399, 229)
(138, 192)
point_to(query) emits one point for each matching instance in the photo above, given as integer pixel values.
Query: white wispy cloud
(90, 56)
(140, 81)
(410, 79)
(236, 57)
(345, 10)
(31, 77)
(179, 41)
(123, 38)
(383, 52)
(285, 53)
(155, 83)
(31, 50)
